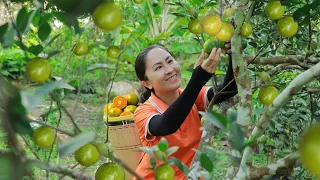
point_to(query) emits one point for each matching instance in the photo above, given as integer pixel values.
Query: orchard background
(245, 139)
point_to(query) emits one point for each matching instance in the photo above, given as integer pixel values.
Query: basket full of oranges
(122, 132)
(121, 109)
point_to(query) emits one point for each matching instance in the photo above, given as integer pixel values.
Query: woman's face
(162, 71)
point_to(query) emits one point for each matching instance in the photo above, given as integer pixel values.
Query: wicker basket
(125, 141)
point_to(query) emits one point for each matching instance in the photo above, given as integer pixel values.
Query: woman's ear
(146, 84)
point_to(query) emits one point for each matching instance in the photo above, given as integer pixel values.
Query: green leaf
(5, 72)
(44, 31)
(32, 101)
(180, 165)
(172, 150)
(11, 104)
(45, 18)
(253, 44)
(52, 40)
(147, 150)
(236, 136)
(69, 20)
(11, 166)
(215, 118)
(315, 5)
(302, 12)
(7, 39)
(75, 143)
(53, 53)
(22, 20)
(35, 49)
(36, 18)
(210, 152)
(153, 163)
(3, 29)
(163, 144)
(204, 160)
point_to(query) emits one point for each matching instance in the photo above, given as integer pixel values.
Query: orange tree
(275, 56)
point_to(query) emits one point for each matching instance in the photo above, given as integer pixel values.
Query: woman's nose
(169, 70)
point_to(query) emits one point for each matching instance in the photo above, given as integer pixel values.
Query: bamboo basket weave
(125, 141)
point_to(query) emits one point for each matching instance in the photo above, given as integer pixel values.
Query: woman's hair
(140, 68)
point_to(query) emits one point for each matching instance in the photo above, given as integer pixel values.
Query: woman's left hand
(227, 48)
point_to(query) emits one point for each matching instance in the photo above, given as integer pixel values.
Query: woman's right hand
(210, 65)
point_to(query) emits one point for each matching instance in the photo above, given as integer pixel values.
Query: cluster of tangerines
(87, 155)
(122, 106)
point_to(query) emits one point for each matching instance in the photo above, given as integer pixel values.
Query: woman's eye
(170, 61)
(158, 67)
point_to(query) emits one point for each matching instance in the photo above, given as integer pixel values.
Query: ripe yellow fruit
(194, 26)
(287, 27)
(226, 32)
(211, 24)
(107, 108)
(274, 10)
(130, 108)
(132, 99)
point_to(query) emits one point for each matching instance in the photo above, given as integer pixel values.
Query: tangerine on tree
(213, 43)
(120, 102)
(132, 99)
(287, 27)
(211, 24)
(194, 26)
(226, 32)
(38, 69)
(309, 150)
(87, 155)
(274, 10)
(164, 172)
(44, 137)
(80, 49)
(246, 30)
(113, 52)
(110, 171)
(107, 16)
(137, 1)
(267, 95)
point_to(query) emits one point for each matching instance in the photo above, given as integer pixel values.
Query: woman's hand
(210, 65)
(227, 48)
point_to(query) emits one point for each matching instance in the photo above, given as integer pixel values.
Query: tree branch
(281, 67)
(282, 167)
(292, 59)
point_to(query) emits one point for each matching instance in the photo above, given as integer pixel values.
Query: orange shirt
(186, 137)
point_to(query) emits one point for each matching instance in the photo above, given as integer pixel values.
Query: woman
(170, 112)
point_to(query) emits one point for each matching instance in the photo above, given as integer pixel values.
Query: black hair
(140, 68)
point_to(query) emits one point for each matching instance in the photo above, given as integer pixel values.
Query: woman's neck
(168, 97)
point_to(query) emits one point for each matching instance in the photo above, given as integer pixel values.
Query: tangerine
(120, 102)
(211, 24)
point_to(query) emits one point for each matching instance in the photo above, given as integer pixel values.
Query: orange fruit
(38, 69)
(309, 150)
(120, 102)
(110, 171)
(87, 155)
(130, 108)
(226, 32)
(132, 99)
(246, 29)
(287, 27)
(164, 172)
(114, 112)
(211, 24)
(113, 52)
(44, 137)
(194, 26)
(80, 49)
(107, 108)
(274, 10)
(267, 95)
(107, 16)
(125, 113)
